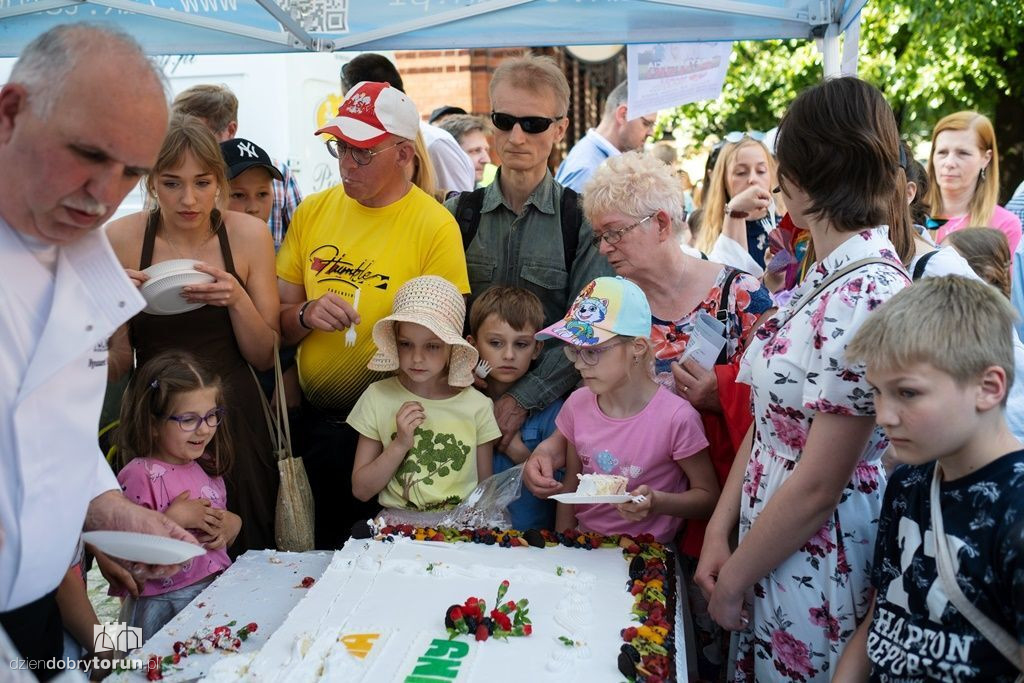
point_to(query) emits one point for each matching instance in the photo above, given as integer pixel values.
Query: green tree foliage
(930, 58)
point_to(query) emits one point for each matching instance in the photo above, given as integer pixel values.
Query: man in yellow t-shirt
(347, 252)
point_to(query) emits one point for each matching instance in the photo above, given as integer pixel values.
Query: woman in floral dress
(807, 491)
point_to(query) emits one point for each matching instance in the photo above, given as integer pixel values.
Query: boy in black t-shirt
(940, 359)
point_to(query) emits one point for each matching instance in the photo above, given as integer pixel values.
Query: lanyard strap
(992, 631)
(823, 285)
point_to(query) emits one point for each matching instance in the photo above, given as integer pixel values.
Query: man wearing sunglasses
(615, 134)
(347, 251)
(522, 235)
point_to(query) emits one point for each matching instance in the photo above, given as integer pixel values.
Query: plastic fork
(483, 368)
(350, 333)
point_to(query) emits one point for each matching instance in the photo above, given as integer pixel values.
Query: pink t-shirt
(1002, 220)
(645, 448)
(155, 484)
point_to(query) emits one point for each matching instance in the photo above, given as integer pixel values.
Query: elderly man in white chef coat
(81, 121)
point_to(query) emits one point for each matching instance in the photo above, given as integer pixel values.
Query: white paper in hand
(706, 341)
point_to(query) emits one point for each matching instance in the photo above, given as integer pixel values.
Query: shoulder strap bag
(993, 632)
(823, 285)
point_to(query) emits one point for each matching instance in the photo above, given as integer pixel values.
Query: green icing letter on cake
(440, 662)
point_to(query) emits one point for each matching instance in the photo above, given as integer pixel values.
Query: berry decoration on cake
(220, 638)
(645, 656)
(469, 619)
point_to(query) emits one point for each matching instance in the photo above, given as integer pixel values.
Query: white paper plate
(162, 290)
(174, 265)
(575, 499)
(135, 547)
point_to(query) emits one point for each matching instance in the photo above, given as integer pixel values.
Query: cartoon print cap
(606, 308)
(371, 111)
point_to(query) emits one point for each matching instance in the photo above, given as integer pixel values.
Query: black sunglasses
(529, 124)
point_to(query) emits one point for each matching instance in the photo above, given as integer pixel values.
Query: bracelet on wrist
(302, 315)
(733, 213)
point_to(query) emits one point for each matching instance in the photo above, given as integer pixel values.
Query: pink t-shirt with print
(645, 448)
(155, 484)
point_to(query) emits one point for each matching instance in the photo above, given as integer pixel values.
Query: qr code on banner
(319, 16)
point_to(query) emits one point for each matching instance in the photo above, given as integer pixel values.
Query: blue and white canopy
(241, 26)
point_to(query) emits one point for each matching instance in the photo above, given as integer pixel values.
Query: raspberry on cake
(601, 485)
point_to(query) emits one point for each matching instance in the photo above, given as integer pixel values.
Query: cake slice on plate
(601, 485)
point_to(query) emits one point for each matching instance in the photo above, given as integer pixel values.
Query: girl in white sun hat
(426, 435)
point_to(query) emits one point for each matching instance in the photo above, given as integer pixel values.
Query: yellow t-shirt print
(334, 244)
(439, 471)
(432, 457)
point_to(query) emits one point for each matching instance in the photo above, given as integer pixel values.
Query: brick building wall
(434, 78)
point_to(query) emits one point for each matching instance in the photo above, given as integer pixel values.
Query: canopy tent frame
(280, 25)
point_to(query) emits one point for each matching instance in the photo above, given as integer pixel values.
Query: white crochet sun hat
(438, 305)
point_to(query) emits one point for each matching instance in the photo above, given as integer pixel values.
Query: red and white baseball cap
(370, 112)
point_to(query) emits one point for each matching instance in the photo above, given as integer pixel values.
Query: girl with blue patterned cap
(623, 423)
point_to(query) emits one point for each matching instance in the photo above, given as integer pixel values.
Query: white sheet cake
(377, 614)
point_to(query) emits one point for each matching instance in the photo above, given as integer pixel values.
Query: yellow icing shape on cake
(359, 644)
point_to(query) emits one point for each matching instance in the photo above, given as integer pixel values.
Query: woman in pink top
(964, 168)
(175, 458)
(624, 423)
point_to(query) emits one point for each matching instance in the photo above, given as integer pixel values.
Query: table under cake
(265, 587)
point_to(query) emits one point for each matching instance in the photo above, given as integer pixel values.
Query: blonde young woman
(739, 210)
(238, 323)
(964, 169)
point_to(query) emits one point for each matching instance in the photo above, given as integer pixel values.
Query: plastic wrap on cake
(485, 508)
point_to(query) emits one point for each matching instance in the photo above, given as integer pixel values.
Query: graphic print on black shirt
(917, 634)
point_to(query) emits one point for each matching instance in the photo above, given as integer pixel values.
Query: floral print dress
(808, 607)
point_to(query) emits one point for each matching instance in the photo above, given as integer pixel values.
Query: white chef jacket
(452, 166)
(54, 329)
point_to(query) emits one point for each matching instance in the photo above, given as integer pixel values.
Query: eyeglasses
(613, 236)
(189, 422)
(736, 136)
(590, 355)
(362, 157)
(529, 124)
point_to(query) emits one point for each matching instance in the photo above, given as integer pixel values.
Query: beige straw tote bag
(293, 518)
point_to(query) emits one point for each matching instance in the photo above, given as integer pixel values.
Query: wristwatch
(732, 213)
